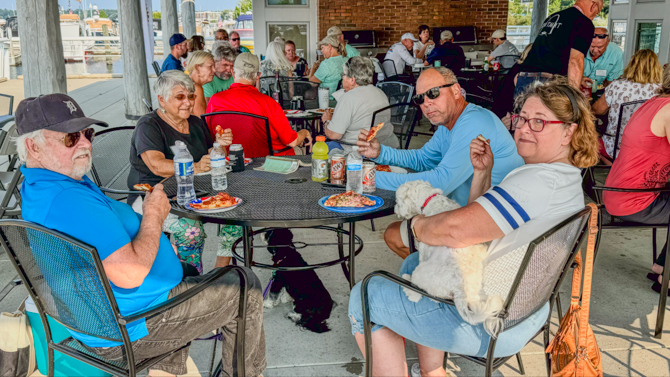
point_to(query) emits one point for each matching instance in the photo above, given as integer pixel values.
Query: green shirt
(330, 73)
(244, 49)
(217, 85)
(609, 66)
(351, 51)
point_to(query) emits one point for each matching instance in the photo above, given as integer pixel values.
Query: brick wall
(391, 18)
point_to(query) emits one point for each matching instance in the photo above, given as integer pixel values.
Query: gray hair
(224, 50)
(21, 150)
(242, 74)
(360, 69)
(169, 80)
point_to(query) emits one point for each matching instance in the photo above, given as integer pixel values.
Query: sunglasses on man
(235, 39)
(71, 139)
(431, 93)
(600, 36)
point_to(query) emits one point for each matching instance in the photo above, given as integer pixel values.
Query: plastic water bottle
(183, 172)
(355, 171)
(218, 161)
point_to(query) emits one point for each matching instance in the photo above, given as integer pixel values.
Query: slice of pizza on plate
(349, 199)
(384, 168)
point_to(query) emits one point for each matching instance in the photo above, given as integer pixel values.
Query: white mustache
(81, 153)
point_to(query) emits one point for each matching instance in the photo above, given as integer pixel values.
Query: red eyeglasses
(535, 124)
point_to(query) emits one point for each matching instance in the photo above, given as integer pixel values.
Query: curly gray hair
(360, 69)
(223, 50)
(171, 79)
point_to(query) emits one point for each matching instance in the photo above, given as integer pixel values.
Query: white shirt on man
(400, 56)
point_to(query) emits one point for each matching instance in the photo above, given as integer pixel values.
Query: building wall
(390, 19)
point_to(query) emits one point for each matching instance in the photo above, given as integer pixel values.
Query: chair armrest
(182, 297)
(617, 189)
(404, 283)
(126, 192)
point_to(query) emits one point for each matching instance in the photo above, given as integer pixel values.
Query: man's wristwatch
(411, 226)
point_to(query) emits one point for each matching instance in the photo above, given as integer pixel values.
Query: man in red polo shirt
(243, 96)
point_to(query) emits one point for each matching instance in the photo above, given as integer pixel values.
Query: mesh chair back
(111, 158)
(10, 204)
(6, 104)
(540, 267)
(307, 90)
(397, 92)
(626, 111)
(403, 118)
(8, 146)
(157, 68)
(65, 278)
(267, 87)
(388, 66)
(250, 130)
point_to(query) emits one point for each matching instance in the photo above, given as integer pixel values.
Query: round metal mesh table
(270, 200)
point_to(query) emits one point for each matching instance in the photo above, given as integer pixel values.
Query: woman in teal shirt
(329, 71)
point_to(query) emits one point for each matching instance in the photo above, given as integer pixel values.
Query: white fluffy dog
(447, 272)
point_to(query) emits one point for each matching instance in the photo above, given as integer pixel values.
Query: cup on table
(323, 98)
(468, 63)
(437, 63)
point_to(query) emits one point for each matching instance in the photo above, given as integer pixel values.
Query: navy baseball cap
(176, 39)
(54, 112)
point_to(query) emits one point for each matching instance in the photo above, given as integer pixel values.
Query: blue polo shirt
(81, 210)
(171, 63)
(608, 67)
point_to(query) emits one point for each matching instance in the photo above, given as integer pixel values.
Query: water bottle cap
(216, 145)
(320, 138)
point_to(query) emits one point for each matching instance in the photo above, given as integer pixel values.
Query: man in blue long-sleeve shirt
(444, 161)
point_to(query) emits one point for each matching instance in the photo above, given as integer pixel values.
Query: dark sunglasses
(182, 96)
(431, 93)
(535, 124)
(71, 139)
(235, 39)
(600, 36)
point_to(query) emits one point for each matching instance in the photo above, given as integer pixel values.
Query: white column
(41, 47)
(538, 17)
(188, 18)
(169, 23)
(135, 77)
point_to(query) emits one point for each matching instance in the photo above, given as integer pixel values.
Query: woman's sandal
(653, 276)
(657, 288)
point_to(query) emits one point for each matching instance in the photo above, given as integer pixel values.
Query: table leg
(340, 249)
(248, 243)
(352, 253)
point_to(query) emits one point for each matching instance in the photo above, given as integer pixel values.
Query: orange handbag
(574, 351)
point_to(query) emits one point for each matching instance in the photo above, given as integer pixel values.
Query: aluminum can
(496, 65)
(369, 177)
(337, 167)
(236, 157)
(587, 90)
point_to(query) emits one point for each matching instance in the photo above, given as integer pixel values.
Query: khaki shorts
(404, 236)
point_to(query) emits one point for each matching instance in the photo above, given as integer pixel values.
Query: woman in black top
(299, 64)
(151, 156)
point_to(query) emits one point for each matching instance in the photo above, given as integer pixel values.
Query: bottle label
(319, 168)
(218, 163)
(184, 168)
(353, 167)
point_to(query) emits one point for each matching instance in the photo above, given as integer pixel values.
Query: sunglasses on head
(71, 139)
(235, 39)
(601, 36)
(182, 96)
(431, 93)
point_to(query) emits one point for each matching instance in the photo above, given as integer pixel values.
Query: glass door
(649, 36)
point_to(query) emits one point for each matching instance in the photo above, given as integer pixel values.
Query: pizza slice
(143, 187)
(219, 130)
(373, 131)
(349, 199)
(220, 200)
(384, 168)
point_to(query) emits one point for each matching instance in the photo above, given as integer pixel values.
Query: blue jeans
(333, 145)
(432, 324)
(522, 82)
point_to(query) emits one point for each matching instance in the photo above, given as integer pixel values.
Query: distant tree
(519, 14)
(242, 7)
(157, 15)
(103, 14)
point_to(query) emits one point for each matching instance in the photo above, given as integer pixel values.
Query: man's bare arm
(576, 69)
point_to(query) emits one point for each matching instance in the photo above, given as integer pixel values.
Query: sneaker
(415, 371)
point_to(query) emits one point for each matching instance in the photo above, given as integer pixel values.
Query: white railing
(519, 36)
(77, 48)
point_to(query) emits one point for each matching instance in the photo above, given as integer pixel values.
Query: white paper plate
(239, 201)
(399, 170)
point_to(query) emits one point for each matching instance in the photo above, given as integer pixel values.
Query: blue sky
(111, 4)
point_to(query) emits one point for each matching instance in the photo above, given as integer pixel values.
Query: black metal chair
(403, 118)
(10, 204)
(111, 161)
(608, 222)
(541, 269)
(306, 89)
(157, 68)
(267, 87)
(388, 66)
(6, 104)
(250, 130)
(626, 111)
(396, 92)
(67, 281)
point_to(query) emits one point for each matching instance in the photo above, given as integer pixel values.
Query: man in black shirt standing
(449, 54)
(561, 45)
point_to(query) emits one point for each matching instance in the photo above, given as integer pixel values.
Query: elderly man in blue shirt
(55, 141)
(604, 61)
(444, 161)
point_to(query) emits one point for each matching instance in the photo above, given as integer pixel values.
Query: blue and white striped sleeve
(517, 199)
